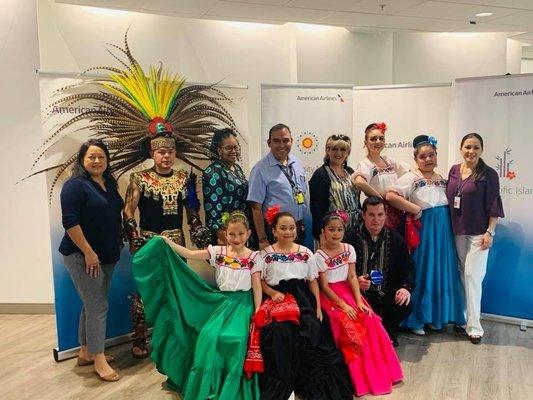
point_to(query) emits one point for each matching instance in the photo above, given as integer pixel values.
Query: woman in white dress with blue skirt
(437, 297)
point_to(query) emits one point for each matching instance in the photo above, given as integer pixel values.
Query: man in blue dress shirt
(278, 178)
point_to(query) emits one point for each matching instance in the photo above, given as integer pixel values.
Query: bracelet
(491, 233)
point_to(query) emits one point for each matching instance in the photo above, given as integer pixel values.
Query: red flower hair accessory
(343, 215)
(271, 213)
(382, 126)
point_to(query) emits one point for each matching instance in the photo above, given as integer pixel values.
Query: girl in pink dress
(367, 349)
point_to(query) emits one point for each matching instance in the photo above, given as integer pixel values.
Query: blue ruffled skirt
(438, 295)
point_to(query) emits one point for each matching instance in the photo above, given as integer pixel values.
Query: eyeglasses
(231, 148)
(340, 137)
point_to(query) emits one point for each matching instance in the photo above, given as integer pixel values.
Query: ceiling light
(485, 14)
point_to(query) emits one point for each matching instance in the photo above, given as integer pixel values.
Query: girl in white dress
(437, 297)
(200, 333)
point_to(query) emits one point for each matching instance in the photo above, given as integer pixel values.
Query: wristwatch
(491, 233)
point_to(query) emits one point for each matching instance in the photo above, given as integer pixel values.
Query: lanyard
(461, 181)
(289, 175)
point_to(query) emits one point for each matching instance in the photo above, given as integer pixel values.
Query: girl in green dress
(200, 333)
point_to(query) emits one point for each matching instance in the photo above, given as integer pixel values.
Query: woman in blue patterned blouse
(224, 185)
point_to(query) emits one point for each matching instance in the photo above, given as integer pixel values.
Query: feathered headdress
(131, 107)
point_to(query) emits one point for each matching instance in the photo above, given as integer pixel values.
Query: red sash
(269, 311)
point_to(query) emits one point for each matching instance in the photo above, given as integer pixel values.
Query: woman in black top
(91, 214)
(331, 187)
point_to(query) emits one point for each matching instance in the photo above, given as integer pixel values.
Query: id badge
(300, 198)
(457, 202)
(376, 277)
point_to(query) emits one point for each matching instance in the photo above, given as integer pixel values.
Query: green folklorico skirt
(200, 334)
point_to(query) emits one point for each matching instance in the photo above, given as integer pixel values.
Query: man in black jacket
(384, 267)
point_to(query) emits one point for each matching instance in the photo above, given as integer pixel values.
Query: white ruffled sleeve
(404, 185)
(320, 261)
(353, 256)
(312, 272)
(364, 169)
(258, 267)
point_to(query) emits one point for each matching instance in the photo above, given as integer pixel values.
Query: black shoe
(459, 329)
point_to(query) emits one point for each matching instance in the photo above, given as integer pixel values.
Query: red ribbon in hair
(382, 126)
(343, 215)
(271, 213)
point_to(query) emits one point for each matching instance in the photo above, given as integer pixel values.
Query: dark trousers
(391, 313)
(300, 233)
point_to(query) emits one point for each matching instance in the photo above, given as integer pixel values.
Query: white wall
(442, 57)
(72, 38)
(335, 55)
(527, 66)
(25, 266)
(514, 56)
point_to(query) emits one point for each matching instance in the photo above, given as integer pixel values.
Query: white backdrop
(500, 110)
(408, 111)
(312, 112)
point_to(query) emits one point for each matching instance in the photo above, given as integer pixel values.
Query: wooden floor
(438, 366)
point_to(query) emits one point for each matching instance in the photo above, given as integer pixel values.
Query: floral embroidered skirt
(374, 367)
(302, 358)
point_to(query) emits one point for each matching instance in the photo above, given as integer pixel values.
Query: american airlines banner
(312, 112)
(67, 301)
(500, 110)
(408, 111)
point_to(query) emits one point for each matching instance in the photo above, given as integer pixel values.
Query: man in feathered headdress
(160, 193)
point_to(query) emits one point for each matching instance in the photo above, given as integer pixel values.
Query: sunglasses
(340, 137)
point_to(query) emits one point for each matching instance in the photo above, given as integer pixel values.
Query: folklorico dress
(374, 366)
(438, 296)
(299, 357)
(200, 333)
(225, 190)
(383, 179)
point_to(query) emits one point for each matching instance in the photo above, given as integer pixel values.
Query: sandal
(83, 362)
(474, 339)
(112, 377)
(141, 344)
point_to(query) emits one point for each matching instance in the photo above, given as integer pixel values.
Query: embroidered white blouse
(232, 274)
(336, 267)
(381, 179)
(426, 193)
(276, 267)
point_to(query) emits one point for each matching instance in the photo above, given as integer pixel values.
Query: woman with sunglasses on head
(225, 186)
(331, 187)
(377, 173)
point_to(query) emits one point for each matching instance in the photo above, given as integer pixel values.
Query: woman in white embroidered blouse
(376, 173)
